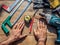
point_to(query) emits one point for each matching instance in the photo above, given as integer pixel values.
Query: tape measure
(27, 19)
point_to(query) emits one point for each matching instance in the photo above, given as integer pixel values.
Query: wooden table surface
(29, 40)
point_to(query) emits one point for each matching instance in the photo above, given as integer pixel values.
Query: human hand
(16, 34)
(41, 32)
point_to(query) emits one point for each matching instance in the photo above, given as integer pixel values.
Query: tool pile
(7, 20)
(52, 6)
(50, 16)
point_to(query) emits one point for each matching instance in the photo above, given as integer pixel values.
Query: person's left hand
(16, 33)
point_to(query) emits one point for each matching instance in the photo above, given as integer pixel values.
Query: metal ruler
(10, 8)
(7, 20)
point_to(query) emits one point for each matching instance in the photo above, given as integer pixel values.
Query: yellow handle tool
(54, 3)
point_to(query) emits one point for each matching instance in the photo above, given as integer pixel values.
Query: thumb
(25, 35)
(35, 32)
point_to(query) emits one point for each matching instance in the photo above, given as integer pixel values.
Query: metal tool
(53, 20)
(31, 24)
(27, 19)
(10, 8)
(54, 3)
(57, 10)
(38, 4)
(7, 20)
(32, 20)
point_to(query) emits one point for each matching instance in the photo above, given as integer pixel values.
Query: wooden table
(29, 40)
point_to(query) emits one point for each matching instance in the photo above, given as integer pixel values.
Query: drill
(53, 20)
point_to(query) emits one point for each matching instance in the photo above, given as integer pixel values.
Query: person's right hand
(41, 32)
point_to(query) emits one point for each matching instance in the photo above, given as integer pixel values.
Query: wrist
(41, 42)
(8, 41)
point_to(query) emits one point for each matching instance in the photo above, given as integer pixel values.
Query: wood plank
(30, 40)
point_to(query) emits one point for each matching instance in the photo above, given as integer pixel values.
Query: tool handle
(31, 24)
(4, 28)
(6, 22)
(58, 36)
(9, 24)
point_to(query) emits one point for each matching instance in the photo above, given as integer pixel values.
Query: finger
(22, 27)
(38, 25)
(19, 25)
(34, 31)
(43, 26)
(15, 26)
(25, 35)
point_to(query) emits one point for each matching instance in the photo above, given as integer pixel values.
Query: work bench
(29, 40)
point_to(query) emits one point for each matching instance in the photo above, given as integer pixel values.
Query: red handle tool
(31, 24)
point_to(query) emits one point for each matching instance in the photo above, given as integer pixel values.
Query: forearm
(7, 42)
(41, 43)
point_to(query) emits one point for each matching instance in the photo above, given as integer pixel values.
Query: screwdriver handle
(58, 36)
(31, 24)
